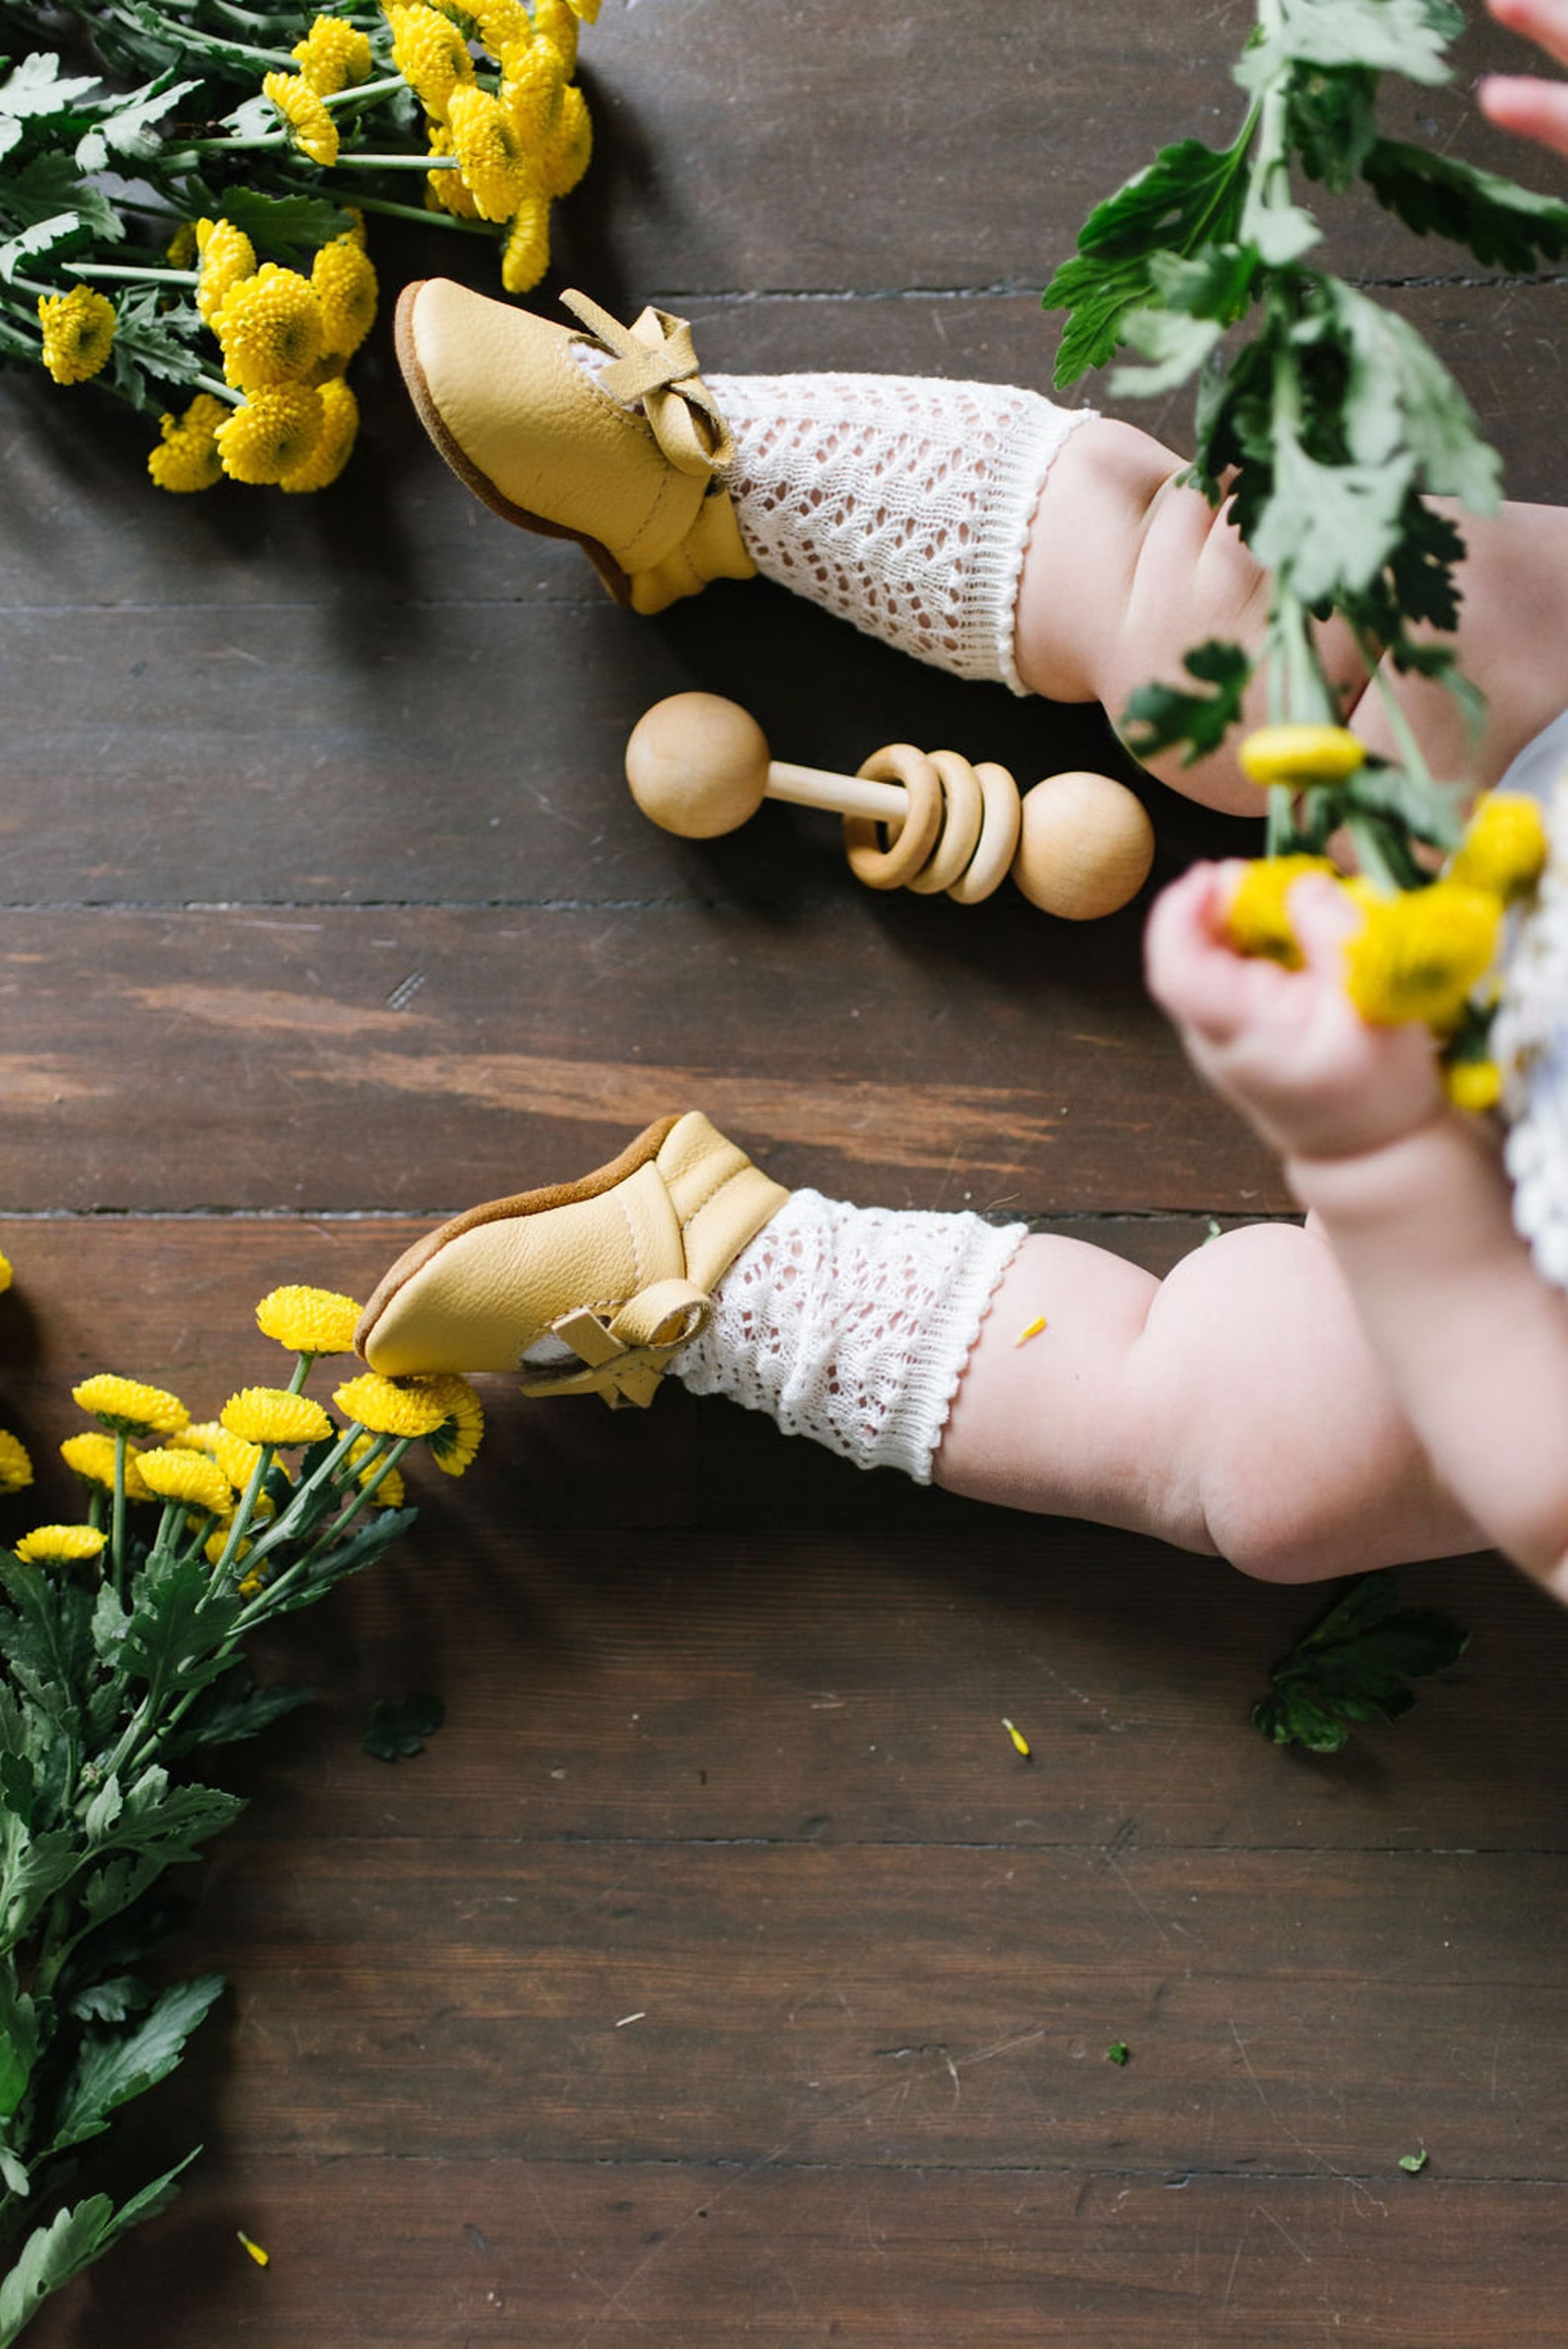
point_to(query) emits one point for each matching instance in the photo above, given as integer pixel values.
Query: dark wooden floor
(720, 1973)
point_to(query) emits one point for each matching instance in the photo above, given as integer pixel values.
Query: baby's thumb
(1324, 918)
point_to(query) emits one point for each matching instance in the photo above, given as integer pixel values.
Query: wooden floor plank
(421, 1059)
(443, 2255)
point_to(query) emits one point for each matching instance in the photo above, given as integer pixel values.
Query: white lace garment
(853, 1325)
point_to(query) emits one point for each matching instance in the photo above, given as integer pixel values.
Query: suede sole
(505, 1211)
(429, 416)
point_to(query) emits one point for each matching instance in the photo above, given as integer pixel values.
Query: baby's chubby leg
(1126, 571)
(1234, 1409)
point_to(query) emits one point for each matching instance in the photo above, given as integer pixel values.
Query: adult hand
(1523, 103)
(1286, 1047)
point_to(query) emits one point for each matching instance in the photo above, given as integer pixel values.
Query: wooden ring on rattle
(963, 815)
(891, 866)
(993, 860)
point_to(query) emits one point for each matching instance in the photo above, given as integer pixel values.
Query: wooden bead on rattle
(1078, 845)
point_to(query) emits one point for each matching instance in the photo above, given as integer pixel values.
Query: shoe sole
(505, 1211)
(614, 578)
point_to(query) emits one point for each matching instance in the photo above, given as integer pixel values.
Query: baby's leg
(1126, 572)
(1233, 1408)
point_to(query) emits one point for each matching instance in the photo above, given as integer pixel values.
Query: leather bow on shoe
(655, 363)
(625, 1358)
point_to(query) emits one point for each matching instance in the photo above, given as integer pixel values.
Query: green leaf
(32, 1871)
(1400, 395)
(1408, 37)
(110, 2000)
(1176, 346)
(1188, 197)
(48, 1638)
(1331, 121)
(1433, 812)
(1327, 530)
(129, 131)
(1354, 1666)
(1415, 2164)
(35, 91)
(51, 183)
(176, 1627)
(1158, 717)
(73, 2240)
(1117, 2051)
(234, 1708)
(19, 2041)
(285, 226)
(396, 1730)
(114, 2066)
(1504, 225)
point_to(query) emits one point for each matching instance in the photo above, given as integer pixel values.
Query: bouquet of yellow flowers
(187, 212)
(122, 1636)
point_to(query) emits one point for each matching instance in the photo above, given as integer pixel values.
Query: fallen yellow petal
(1020, 1742)
(261, 2257)
(1031, 1329)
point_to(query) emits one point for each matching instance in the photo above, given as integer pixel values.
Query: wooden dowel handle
(844, 795)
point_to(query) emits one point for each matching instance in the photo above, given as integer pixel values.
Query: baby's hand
(1286, 1047)
(1523, 103)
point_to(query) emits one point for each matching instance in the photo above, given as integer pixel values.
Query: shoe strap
(656, 362)
(624, 1356)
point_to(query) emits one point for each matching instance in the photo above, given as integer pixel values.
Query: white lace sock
(902, 503)
(853, 1325)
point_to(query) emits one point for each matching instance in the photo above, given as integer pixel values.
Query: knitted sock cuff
(853, 1325)
(901, 504)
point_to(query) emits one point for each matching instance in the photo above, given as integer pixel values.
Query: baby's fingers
(1194, 974)
(1529, 107)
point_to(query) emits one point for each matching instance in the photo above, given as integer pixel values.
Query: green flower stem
(361, 162)
(132, 276)
(397, 212)
(1370, 854)
(266, 1600)
(296, 1385)
(1410, 750)
(116, 1541)
(242, 1514)
(361, 93)
(218, 389)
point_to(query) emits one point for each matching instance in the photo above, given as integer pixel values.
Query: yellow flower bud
(1300, 756)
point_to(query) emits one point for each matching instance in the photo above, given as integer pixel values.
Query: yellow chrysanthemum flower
(271, 1414)
(253, 1582)
(447, 190)
(61, 1545)
(390, 1492)
(356, 232)
(212, 1549)
(181, 249)
(91, 1456)
(1474, 1085)
(1419, 955)
(270, 329)
(186, 458)
(555, 23)
(587, 10)
(16, 1469)
(129, 1408)
(1300, 755)
(1504, 848)
(178, 1474)
(78, 333)
(531, 95)
(342, 278)
(227, 256)
(315, 132)
(505, 27)
(1256, 920)
(6, 1274)
(526, 255)
(455, 1442)
(431, 55)
(387, 1408)
(276, 433)
(571, 146)
(491, 154)
(333, 57)
(309, 1320)
(339, 424)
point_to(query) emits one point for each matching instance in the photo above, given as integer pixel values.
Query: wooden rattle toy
(1078, 844)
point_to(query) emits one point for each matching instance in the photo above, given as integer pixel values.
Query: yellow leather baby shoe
(627, 459)
(616, 1269)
